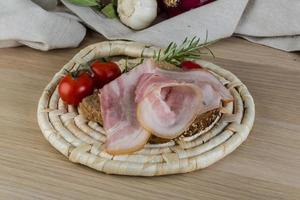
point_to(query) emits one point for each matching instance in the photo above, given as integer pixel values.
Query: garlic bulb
(137, 14)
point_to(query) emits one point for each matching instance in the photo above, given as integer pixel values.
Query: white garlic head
(137, 14)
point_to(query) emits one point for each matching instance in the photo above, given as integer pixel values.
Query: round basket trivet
(81, 140)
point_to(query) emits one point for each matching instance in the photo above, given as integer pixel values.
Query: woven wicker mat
(81, 140)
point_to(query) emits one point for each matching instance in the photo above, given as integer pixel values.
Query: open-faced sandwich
(151, 104)
(157, 101)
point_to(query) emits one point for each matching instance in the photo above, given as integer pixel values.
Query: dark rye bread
(200, 123)
(90, 109)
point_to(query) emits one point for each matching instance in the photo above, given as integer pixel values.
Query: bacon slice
(148, 100)
(166, 107)
(200, 77)
(118, 109)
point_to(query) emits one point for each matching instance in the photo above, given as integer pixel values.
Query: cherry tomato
(188, 65)
(104, 72)
(73, 89)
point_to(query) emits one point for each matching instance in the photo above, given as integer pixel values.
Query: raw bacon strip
(118, 109)
(199, 77)
(166, 107)
(211, 98)
(149, 99)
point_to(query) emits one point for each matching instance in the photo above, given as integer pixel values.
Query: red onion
(176, 7)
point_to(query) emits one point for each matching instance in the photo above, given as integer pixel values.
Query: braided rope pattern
(81, 140)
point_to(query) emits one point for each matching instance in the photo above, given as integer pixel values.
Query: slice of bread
(90, 109)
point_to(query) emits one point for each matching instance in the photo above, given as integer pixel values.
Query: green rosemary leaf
(126, 65)
(154, 55)
(210, 51)
(169, 46)
(185, 40)
(188, 49)
(192, 41)
(159, 53)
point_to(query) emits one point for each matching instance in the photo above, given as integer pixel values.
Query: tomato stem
(104, 59)
(66, 71)
(85, 67)
(74, 74)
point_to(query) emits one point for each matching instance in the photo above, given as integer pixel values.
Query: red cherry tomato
(73, 89)
(188, 65)
(104, 72)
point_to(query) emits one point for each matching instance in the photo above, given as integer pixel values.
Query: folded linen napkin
(273, 23)
(23, 22)
(193, 23)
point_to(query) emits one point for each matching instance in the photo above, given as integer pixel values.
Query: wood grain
(266, 166)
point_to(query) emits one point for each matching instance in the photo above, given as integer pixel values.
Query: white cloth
(219, 18)
(273, 23)
(23, 22)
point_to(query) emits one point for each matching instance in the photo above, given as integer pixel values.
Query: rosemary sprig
(129, 66)
(188, 50)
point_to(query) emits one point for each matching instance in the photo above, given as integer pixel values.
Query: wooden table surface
(266, 166)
